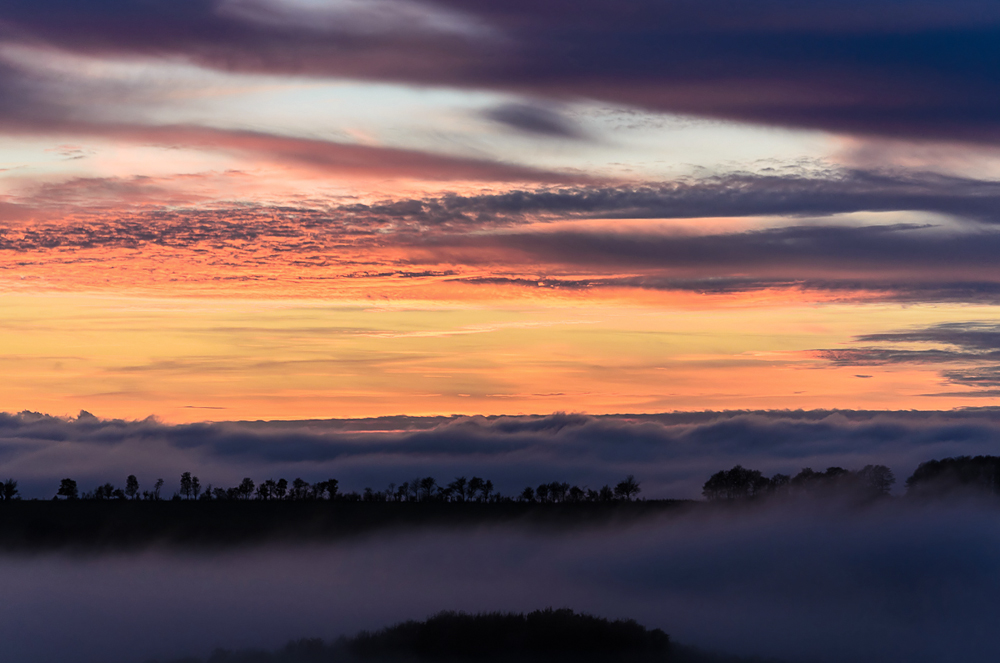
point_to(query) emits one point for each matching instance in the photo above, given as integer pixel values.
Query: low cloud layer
(672, 454)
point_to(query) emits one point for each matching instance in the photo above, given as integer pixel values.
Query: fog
(802, 582)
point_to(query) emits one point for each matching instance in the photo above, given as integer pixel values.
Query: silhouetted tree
(299, 490)
(186, 485)
(542, 492)
(527, 495)
(427, 485)
(557, 491)
(68, 489)
(131, 487)
(606, 494)
(8, 491)
(627, 488)
(281, 489)
(157, 487)
(737, 483)
(457, 488)
(877, 479)
(245, 489)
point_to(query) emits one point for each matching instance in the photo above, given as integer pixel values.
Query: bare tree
(627, 488)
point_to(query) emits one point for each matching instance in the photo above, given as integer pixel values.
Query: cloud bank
(673, 454)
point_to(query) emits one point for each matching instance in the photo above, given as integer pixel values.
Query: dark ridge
(543, 636)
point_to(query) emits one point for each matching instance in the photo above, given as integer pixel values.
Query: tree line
(419, 489)
(740, 483)
(969, 475)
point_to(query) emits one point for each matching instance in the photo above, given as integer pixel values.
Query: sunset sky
(217, 210)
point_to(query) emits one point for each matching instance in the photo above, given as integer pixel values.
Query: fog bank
(819, 583)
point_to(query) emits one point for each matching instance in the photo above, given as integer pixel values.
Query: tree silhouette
(245, 489)
(186, 487)
(67, 489)
(8, 491)
(457, 488)
(542, 492)
(877, 479)
(737, 483)
(475, 487)
(427, 485)
(157, 487)
(627, 488)
(131, 487)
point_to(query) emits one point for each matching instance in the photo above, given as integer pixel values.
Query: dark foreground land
(543, 636)
(123, 525)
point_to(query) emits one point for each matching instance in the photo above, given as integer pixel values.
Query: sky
(222, 210)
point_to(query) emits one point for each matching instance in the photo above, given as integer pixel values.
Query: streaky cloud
(868, 68)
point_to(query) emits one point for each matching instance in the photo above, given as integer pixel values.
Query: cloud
(673, 454)
(737, 194)
(860, 67)
(972, 347)
(352, 16)
(533, 119)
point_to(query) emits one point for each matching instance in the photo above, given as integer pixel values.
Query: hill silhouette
(542, 636)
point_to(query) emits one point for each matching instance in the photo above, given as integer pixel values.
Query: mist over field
(671, 454)
(895, 581)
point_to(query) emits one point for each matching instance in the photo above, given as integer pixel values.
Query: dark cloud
(729, 195)
(973, 348)
(928, 70)
(535, 120)
(673, 454)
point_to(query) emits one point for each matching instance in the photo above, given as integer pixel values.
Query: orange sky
(211, 244)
